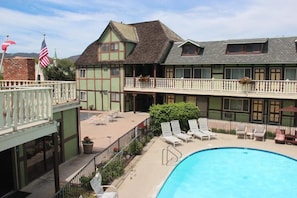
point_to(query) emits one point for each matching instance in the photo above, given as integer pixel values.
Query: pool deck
(146, 173)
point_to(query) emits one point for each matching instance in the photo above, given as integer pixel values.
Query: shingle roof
(127, 33)
(89, 56)
(280, 51)
(153, 40)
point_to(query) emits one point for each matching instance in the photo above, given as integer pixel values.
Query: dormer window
(255, 47)
(191, 48)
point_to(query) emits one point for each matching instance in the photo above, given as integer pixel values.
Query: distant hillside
(34, 55)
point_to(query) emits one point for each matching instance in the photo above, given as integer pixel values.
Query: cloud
(70, 26)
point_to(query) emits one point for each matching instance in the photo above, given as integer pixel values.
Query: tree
(65, 70)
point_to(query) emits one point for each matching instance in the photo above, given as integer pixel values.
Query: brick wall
(19, 68)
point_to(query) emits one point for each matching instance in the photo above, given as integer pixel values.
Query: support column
(56, 162)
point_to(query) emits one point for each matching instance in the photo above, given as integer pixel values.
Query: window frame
(203, 71)
(247, 72)
(115, 71)
(83, 73)
(83, 96)
(233, 101)
(105, 47)
(115, 97)
(183, 69)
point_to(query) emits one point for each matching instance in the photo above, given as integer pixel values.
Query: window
(114, 71)
(274, 111)
(170, 99)
(237, 73)
(190, 50)
(291, 73)
(202, 73)
(105, 47)
(114, 47)
(183, 73)
(240, 105)
(247, 48)
(115, 97)
(83, 96)
(82, 73)
(258, 109)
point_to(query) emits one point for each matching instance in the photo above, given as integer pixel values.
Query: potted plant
(87, 145)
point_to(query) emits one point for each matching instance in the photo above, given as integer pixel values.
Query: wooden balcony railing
(63, 91)
(21, 106)
(29, 102)
(279, 88)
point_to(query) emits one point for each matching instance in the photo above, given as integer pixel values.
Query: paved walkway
(102, 135)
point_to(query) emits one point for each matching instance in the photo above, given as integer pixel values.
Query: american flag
(43, 58)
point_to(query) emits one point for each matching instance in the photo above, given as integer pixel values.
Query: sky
(71, 25)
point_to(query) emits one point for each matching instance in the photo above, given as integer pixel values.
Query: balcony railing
(63, 91)
(30, 102)
(22, 106)
(278, 88)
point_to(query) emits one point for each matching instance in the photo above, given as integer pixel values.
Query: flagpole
(2, 58)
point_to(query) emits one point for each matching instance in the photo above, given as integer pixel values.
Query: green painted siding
(179, 98)
(115, 84)
(91, 98)
(70, 123)
(129, 48)
(83, 84)
(91, 85)
(215, 103)
(71, 149)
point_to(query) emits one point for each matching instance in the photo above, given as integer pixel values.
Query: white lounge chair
(241, 130)
(167, 134)
(259, 133)
(96, 184)
(177, 132)
(203, 127)
(194, 130)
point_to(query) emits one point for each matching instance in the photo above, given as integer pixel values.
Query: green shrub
(175, 111)
(270, 135)
(136, 147)
(85, 181)
(112, 171)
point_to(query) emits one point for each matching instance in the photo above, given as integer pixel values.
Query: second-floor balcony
(277, 89)
(30, 103)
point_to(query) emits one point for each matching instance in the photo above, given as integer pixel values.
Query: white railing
(63, 91)
(21, 106)
(220, 85)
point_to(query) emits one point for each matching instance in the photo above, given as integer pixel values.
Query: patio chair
(177, 132)
(167, 134)
(241, 130)
(280, 137)
(259, 133)
(96, 184)
(194, 130)
(203, 127)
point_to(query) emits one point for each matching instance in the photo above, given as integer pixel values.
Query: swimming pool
(232, 172)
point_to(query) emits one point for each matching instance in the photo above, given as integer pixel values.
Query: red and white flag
(43, 56)
(6, 44)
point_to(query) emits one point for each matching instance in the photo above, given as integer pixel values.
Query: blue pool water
(232, 172)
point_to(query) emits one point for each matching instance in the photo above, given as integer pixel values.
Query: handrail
(167, 149)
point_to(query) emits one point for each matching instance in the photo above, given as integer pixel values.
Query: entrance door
(6, 172)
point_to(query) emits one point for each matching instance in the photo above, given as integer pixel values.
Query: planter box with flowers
(87, 145)
(144, 78)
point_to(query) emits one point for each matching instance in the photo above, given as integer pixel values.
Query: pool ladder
(170, 150)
